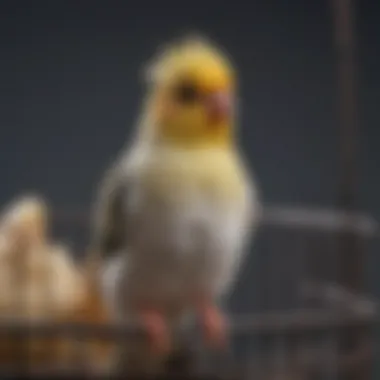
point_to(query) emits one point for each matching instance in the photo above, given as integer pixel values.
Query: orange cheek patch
(165, 109)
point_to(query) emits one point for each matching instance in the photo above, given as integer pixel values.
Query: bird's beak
(218, 107)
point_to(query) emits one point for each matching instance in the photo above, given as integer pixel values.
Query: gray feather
(110, 219)
(115, 205)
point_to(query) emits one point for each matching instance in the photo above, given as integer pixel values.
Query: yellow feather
(193, 55)
(174, 175)
(199, 62)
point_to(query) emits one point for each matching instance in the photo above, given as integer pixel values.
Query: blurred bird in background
(39, 265)
(177, 209)
(39, 281)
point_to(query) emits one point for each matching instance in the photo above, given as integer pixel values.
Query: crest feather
(192, 43)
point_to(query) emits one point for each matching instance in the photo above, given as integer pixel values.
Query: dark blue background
(70, 90)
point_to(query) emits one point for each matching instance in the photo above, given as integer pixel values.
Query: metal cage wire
(288, 318)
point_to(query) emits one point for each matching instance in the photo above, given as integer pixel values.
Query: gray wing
(111, 219)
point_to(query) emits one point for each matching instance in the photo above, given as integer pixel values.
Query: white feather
(177, 251)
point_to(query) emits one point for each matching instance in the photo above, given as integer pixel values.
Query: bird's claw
(214, 327)
(156, 330)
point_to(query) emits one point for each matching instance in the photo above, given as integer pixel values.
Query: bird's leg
(213, 322)
(156, 328)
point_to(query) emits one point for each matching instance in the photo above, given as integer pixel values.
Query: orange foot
(156, 329)
(214, 326)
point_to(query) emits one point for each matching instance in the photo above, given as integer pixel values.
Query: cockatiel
(39, 281)
(178, 207)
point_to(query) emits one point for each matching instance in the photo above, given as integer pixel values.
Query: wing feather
(110, 214)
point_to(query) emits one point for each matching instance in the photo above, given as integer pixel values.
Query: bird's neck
(219, 139)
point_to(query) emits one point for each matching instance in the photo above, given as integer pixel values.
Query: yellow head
(193, 95)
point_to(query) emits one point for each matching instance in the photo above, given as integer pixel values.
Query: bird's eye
(186, 93)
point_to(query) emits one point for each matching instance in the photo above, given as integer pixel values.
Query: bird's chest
(188, 217)
(184, 247)
(212, 181)
(183, 204)
(178, 230)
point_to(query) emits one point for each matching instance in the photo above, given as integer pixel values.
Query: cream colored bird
(39, 281)
(31, 267)
(177, 209)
